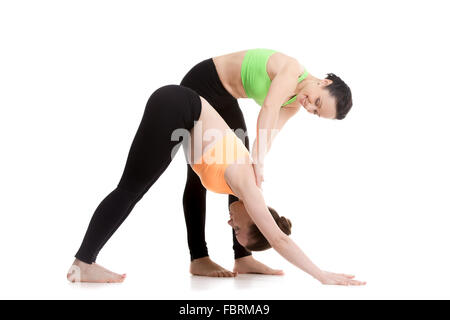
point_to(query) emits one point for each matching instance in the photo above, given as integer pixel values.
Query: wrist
(258, 160)
(319, 275)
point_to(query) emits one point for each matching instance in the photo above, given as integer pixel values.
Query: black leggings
(204, 80)
(169, 108)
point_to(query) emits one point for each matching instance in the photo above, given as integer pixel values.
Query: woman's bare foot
(249, 265)
(84, 272)
(206, 267)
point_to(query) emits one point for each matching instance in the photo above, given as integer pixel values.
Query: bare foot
(249, 265)
(84, 272)
(206, 267)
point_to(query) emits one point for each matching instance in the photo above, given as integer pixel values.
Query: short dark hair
(257, 240)
(341, 92)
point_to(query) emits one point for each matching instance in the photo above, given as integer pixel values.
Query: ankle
(80, 263)
(202, 259)
(243, 259)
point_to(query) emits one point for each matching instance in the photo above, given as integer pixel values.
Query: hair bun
(285, 225)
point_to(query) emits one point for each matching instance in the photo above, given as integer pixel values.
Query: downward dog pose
(280, 85)
(170, 109)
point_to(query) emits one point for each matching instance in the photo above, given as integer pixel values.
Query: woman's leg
(169, 108)
(233, 116)
(194, 205)
(204, 80)
(198, 79)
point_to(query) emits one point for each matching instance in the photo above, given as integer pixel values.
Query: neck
(302, 85)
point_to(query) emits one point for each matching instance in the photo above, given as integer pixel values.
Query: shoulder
(280, 62)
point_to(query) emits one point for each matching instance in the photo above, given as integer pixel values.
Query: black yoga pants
(204, 79)
(168, 108)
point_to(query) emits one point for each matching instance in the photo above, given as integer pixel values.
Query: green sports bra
(254, 75)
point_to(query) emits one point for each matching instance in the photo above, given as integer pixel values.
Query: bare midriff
(229, 69)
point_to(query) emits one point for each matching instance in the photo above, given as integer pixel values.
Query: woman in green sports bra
(281, 86)
(254, 76)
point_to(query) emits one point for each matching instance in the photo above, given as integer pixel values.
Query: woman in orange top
(223, 165)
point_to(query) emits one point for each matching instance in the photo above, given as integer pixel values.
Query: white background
(366, 195)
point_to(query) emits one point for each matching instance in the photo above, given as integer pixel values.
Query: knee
(133, 188)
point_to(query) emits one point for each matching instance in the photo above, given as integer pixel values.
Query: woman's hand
(258, 169)
(340, 279)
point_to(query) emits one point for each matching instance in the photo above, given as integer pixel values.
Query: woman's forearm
(256, 207)
(289, 250)
(266, 126)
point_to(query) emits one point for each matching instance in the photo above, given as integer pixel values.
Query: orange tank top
(213, 163)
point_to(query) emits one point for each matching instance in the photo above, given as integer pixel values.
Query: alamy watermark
(204, 140)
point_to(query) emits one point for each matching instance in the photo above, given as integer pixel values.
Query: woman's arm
(257, 209)
(271, 118)
(285, 114)
(246, 189)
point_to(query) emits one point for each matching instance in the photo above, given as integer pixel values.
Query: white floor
(145, 282)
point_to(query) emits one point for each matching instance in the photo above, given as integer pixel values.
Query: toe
(278, 272)
(215, 274)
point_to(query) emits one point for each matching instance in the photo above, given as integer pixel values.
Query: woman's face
(317, 100)
(240, 221)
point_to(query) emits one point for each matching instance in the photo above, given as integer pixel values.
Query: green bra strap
(300, 79)
(303, 76)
